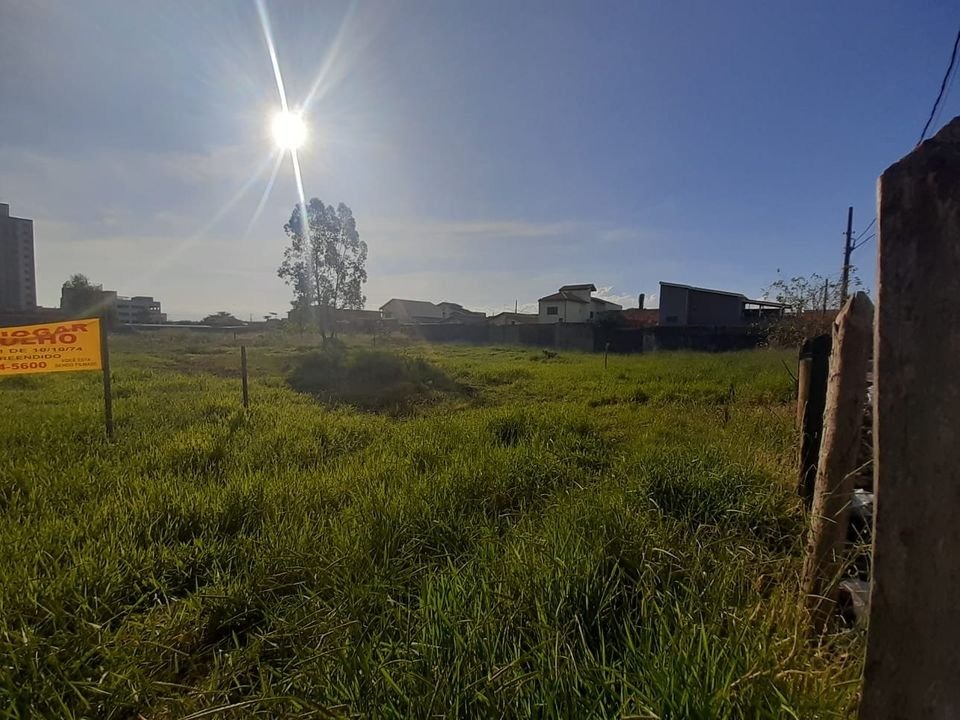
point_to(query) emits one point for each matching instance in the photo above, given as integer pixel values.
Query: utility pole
(515, 304)
(847, 249)
(826, 290)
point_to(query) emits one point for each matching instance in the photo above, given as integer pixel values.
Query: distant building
(139, 310)
(454, 312)
(688, 305)
(90, 301)
(574, 304)
(18, 279)
(512, 318)
(419, 312)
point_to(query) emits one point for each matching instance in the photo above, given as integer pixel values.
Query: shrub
(371, 379)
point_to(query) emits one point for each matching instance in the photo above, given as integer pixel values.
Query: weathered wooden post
(803, 382)
(243, 375)
(843, 420)
(811, 428)
(913, 644)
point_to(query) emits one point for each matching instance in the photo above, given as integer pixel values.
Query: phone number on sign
(23, 366)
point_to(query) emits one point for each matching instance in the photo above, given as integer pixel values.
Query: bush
(370, 379)
(791, 331)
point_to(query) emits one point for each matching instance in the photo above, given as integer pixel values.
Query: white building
(574, 304)
(140, 309)
(18, 280)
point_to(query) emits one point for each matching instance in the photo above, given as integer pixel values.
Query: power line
(943, 87)
(863, 232)
(867, 239)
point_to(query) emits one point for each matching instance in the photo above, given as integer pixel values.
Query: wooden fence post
(843, 421)
(811, 428)
(803, 381)
(913, 644)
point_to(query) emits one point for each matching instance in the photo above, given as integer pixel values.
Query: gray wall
(673, 305)
(714, 310)
(592, 338)
(18, 290)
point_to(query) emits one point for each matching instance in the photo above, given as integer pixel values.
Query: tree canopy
(221, 318)
(805, 293)
(325, 262)
(79, 281)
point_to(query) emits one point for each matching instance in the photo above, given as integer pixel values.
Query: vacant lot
(406, 530)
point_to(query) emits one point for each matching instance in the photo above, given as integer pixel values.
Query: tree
(79, 281)
(222, 318)
(324, 263)
(805, 316)
(803, 294)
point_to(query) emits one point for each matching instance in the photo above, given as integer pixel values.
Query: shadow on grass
(372, 380)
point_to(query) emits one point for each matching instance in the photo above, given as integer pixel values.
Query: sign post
(66, 346)
(107, 390)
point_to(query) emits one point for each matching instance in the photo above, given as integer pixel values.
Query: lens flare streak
(268, 37)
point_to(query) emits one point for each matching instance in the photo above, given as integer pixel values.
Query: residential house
(454, 312)
(688, 305)
(419, 312)
(410, 311)
(512, 318)
(574, 304)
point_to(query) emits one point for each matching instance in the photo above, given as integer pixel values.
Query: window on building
(591, 313)
(553, 310)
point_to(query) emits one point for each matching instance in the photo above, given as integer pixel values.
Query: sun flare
(289, 130)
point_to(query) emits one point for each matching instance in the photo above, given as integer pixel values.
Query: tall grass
(551, 546)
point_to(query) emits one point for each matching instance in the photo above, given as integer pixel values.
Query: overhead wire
(943, 87)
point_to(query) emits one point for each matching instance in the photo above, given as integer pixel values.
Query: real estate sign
(52, 347)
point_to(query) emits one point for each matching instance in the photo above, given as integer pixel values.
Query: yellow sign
(52, 347)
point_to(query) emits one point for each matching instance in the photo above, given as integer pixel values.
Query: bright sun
(289, 130)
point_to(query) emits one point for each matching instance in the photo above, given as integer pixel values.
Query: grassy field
(407, 531)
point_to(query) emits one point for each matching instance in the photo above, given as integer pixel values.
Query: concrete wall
(704, 339)
(587, 337)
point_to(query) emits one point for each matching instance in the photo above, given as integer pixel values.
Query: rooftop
(586, 286)
(739, 296)
(413, 303)
(564, 295)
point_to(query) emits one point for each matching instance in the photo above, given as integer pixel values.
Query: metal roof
(739, 296)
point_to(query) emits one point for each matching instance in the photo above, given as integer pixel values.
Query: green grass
(522, 536)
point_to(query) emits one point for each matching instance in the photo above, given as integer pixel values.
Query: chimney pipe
(640, 301)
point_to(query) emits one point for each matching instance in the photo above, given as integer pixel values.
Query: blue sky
(491, 151)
